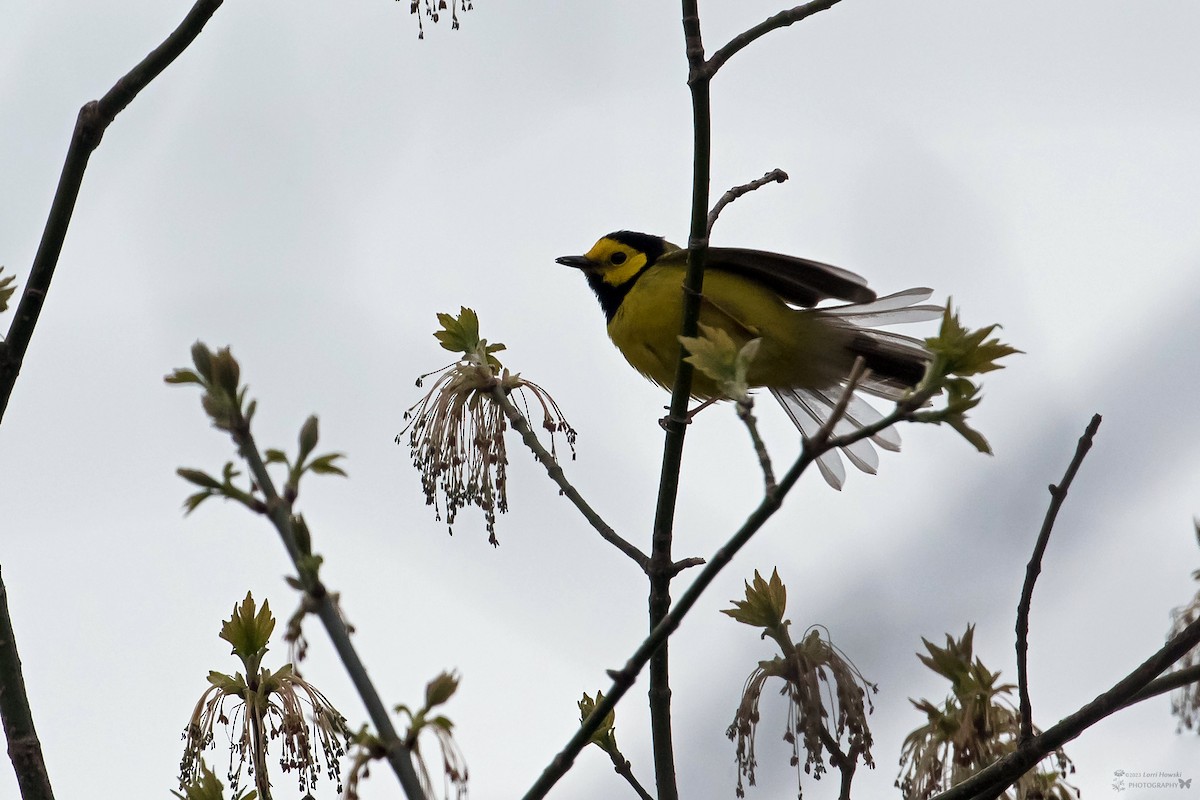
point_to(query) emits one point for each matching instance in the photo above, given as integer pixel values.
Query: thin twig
(1166, 683)
(846, 763)
(660, 568)
(625, 770)
(279, 510)
(624, 678)
(822, 437)
(745, 412)
(774, 176)
(24, 748)
(992, 781)
(258, 754)
(1058, 494)
(661, 565)
(685, 563)
(904, 411)
(848, 769)
(521, 425)
(94, 118)
(743, 40)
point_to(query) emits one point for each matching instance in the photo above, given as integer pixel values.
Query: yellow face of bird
(613, 262)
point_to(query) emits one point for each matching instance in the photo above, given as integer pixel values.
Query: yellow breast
(800, 348)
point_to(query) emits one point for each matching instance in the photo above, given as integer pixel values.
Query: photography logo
(1149, 779)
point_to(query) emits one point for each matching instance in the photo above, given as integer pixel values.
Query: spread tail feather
(895, 362)
(810, 409)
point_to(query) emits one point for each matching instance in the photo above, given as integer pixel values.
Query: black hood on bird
(652, 246)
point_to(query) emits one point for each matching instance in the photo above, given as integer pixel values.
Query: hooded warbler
(806, 353)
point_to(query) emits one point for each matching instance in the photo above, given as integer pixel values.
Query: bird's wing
(715, 309)
(798, 281)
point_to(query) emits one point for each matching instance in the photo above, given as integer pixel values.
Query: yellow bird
(806, 353)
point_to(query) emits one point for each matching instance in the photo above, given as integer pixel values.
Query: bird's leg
(687, 418)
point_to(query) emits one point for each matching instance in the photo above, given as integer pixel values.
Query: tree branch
(94, 118)
(685, 563)
(857, 372)
(774, 176)
(624, 678)
(623, 768)
(743, 40)
(992, 781)
(24, 749)
(661, 566)
(279, 510)
(1166, 683)
(1058, 494)
(745, 412)
(521, 425)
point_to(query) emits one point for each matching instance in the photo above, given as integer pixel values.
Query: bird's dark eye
(617, 259)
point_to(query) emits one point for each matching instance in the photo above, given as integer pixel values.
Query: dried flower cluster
(975, 726)
(827, 696)
(306, 738)
(454, 766)
(266, 706)
(1185, 701)
(433, 9)
(820, 685)
(456, 431)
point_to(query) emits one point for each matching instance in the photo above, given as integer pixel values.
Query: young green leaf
(7, 287)
(716, 355)
(765, 603)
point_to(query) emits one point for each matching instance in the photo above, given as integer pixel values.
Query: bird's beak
(578, 262)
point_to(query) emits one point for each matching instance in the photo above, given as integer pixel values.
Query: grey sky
(311, 184)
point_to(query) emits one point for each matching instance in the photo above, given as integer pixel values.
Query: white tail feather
(810, 409)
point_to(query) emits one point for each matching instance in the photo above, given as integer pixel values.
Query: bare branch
(23, 745)
(1058, 494)
(686, 563)
(94, 118)
(1166, 683)
(774, 176)
(848, 769)
(904, 411)
(745, 412)
(743, 40)
(280, 512)
(845, 763)
(519, 423)
(623, 679)
(24, 748)
(992, 781)
(625, 770)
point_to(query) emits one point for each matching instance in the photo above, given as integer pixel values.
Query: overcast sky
(311, 184)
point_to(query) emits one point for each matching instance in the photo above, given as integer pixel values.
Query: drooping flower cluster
(456, 431)
(433, 9)
(1185, 701)
(266, 706)
(828, 700)
(454, 766)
